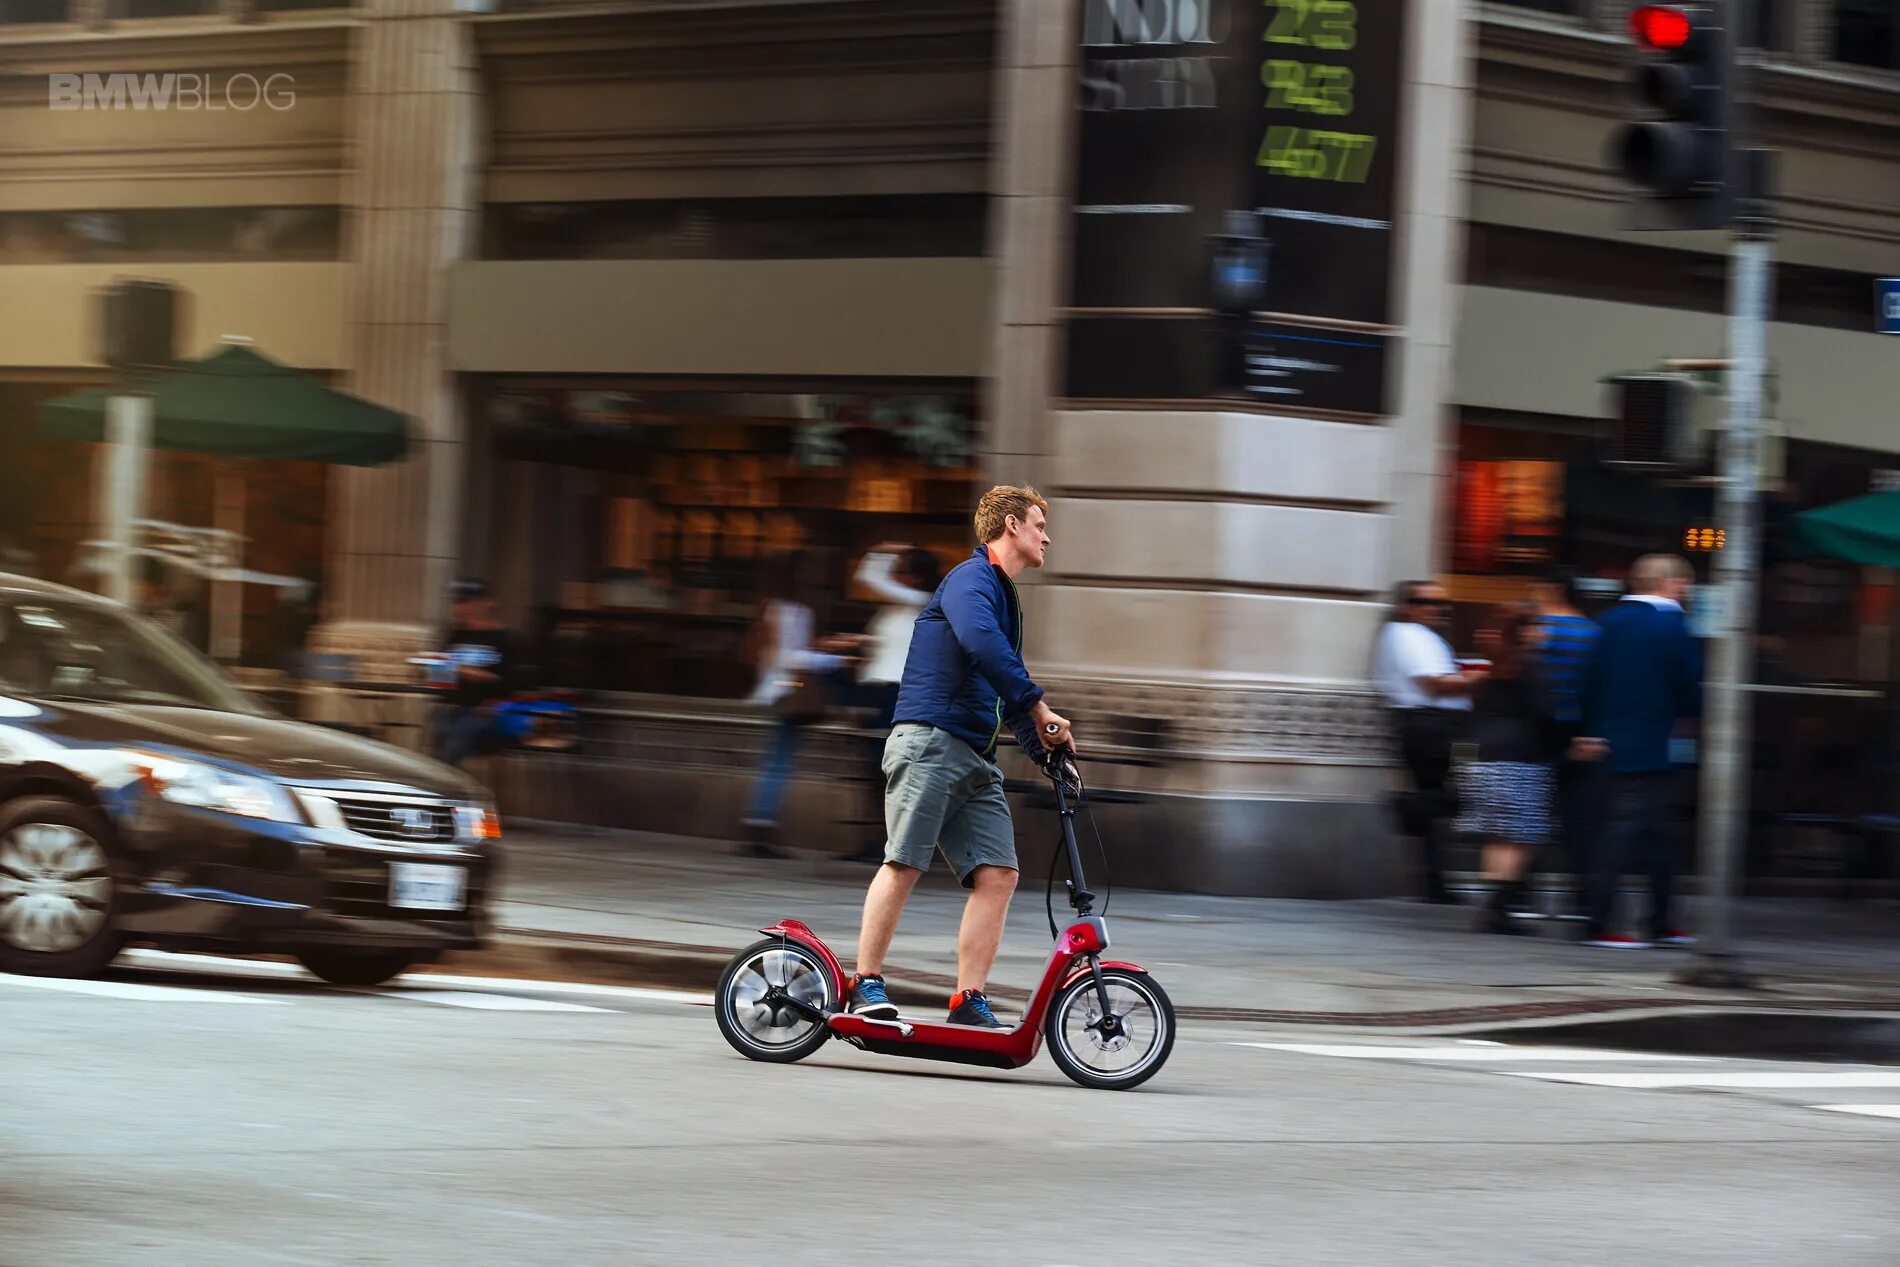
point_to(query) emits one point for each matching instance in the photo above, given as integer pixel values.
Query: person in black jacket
(1510, 785)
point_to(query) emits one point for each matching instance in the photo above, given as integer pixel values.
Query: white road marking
(271, 968)
(144, 957)
(558, 987)
(1791, 1079)
(130, 990)
(484, 1002)
(1464, 1054)
(1865, 1110)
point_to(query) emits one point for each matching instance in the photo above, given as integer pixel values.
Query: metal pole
(129, 433)
(227, 592)
(1725, 724)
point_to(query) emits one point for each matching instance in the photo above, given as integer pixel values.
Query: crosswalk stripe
(1865, 1110)
(1792, 1079)
(1464, 1054)
(485, 1002)
(131, 990)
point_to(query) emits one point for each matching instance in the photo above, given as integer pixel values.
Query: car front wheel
(357, 967)
(57, 892)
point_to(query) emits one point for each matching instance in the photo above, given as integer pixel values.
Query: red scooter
(1109, 1025)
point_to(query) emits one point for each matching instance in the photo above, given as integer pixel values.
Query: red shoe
(1616, 941)
(1674, 938)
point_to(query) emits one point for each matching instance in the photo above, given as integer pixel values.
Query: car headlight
(202, 786)
(477, 822)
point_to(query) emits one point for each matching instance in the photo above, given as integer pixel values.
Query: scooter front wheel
(750, 1004)
(1126, 1051)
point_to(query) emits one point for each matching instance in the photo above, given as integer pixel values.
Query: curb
(674, 965)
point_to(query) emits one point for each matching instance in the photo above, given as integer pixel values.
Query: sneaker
(972, 1007)
(1616, 941)
(866, 998)
(1674, 938)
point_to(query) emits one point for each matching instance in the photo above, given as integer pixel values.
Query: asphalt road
(219, 1115)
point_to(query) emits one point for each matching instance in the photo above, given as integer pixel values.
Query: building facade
(675, 289)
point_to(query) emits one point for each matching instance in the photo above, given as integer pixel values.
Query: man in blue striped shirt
(1569, 644)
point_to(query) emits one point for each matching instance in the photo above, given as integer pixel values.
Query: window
(1769, 25)
(85, 651)
(168, 8)
(21, 12)
(1564, 8)
(1867, 33)
(1591, 268)
(179, 233)
(739, 228)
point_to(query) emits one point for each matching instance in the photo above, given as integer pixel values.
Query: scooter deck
(936, 1040)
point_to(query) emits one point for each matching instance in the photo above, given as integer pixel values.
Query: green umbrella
(1860, 530)
(238, 404)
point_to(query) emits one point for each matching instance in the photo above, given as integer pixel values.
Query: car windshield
(54, 649)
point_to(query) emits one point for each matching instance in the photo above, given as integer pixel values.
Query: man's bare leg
(982, 931)
(883, 906)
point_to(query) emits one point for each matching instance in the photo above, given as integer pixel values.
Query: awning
(1860, 530)
(238, 404)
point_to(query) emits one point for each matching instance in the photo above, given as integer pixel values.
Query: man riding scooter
(963, 680)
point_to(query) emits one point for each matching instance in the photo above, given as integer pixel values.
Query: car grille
(401, 824)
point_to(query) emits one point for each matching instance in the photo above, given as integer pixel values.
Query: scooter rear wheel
(760, 1028)
(1120, 1060)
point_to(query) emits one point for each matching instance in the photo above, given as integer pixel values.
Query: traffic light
(1656, 423)
(1679, 149)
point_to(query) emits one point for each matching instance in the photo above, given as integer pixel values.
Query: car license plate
(427, 886)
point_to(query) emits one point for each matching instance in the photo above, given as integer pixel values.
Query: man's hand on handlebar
(1052, 728)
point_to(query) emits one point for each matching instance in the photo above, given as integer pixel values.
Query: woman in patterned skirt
(1509, 787)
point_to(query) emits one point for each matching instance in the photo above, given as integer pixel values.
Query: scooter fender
(794, 930)
(1082, 970)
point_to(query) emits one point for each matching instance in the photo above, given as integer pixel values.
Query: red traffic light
(1662, 27)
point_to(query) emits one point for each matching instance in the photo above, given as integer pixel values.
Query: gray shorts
(938, 793)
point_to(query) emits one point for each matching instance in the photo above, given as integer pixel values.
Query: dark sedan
(145, 798)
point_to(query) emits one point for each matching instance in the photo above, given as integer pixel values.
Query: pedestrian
(1509, 788)
(796, 682)
(1430, 700)
(904, 577)
(1645, 680)
(1564, 654)
(482, 658)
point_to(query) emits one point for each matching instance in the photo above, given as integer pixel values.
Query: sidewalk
(666, 910)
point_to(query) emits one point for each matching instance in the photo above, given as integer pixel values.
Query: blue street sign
(1887, 305)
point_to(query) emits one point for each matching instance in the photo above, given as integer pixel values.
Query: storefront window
(636, 530)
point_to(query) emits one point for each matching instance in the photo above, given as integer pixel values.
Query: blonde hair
(1650, 571)
(999, 504)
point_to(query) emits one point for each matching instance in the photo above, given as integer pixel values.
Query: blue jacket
(1647, 676)
(965, 670)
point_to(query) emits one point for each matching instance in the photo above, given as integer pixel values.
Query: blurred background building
(671, 287)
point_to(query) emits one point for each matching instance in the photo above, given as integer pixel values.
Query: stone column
(414, 112)
(1434, 197)
(1035, 92)
(1214, 587)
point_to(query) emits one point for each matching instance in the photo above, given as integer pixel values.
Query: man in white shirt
(1413, 668)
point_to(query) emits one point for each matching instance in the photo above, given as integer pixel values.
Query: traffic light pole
(1726, 729)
